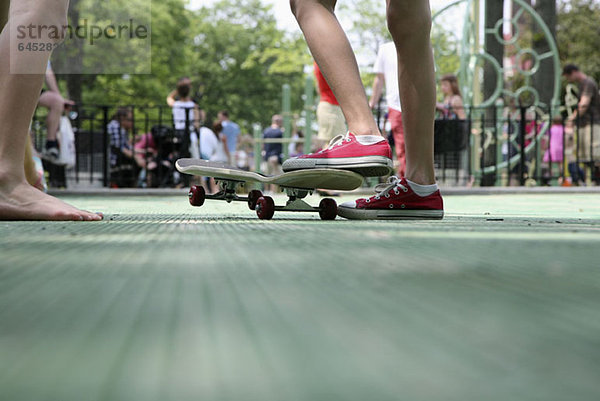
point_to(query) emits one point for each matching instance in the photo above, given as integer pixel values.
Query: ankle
(360, 130)
(10, 180)
(421, 178)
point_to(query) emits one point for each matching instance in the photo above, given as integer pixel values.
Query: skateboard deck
(338, 180)
(296, 184)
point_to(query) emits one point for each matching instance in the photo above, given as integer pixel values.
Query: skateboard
(296, 184)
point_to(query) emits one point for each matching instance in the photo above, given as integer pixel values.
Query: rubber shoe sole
(383, 214)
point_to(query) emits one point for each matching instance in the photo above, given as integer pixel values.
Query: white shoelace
(385, 189)
(337, 141)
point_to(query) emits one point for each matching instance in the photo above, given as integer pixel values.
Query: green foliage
(446, 53)
(241, 61)
(578, 34)
(369, 31)
(233, 51)
(170, 50)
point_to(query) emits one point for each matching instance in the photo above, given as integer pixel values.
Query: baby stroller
(172, 145)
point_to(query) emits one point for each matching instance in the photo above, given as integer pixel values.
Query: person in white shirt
(208, 143)
(186, 115)
(221, 153)
(386, 70)
(213, 147)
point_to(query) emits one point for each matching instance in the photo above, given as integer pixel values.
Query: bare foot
(23, 202)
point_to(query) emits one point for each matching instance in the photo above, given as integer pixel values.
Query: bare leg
(30, 170)
(18, 199)
(410, 23)
(332, 51)
(55, 105)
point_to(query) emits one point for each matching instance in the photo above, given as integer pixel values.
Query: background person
(209, 143)
(274, 151)
(214, 142)
(186, 119)
(386, 72)
(122, 169)
(52, 100)
(145, 155)
(452, 106)
(330, 117)
(585, 118)
(221, 153)
(231, 131)
(553, 145)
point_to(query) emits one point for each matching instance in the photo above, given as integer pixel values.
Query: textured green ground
(161, 301)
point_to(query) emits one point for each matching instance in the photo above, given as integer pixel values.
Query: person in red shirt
(329, 113)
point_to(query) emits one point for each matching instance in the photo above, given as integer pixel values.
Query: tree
(170, 55)
(242, 60)
(370, 31)
(578, 32)
(115, 72)
(232, 50)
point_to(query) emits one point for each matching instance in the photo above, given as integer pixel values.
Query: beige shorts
(588, 144)
(331, 121)
(273, 167)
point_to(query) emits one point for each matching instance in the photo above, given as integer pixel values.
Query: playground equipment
(514, 96)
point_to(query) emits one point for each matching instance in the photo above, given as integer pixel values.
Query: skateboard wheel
(327, 209)
(253, 197)
(265, 208)
(197, 195)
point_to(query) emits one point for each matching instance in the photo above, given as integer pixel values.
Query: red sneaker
(394, 200)
(347, 153)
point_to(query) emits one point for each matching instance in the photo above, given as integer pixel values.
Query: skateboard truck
(227, 193)
(265, 205)
(297, 185)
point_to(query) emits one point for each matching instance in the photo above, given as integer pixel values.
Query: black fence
(496, 146)
(531, 146)
(503, 146)
(152, 137)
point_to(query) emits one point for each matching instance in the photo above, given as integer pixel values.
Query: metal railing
(493, 146)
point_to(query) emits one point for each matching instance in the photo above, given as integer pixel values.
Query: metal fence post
(498, 129)
(522, 133)
(106, 159)
(537, 169)
(287, 118)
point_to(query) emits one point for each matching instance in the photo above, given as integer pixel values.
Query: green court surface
(162, 301)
